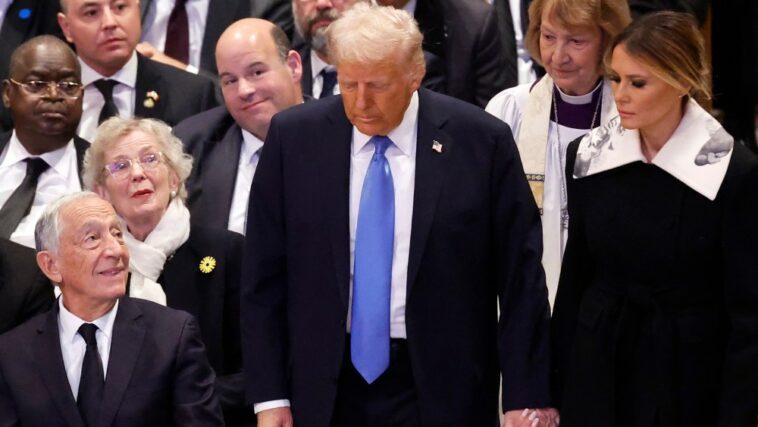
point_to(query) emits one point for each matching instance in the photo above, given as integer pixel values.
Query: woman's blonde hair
(671, 46)
(610, 16)
(115, 128)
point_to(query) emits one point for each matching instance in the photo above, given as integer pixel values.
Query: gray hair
(369, 34)
(47, 231)
(115, 128)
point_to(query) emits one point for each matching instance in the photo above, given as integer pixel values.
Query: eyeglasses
(120, 168)
(37, 87)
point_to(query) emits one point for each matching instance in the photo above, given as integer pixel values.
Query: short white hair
(370, 34)
(47, 231)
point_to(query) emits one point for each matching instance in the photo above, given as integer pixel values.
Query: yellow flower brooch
(207, 264)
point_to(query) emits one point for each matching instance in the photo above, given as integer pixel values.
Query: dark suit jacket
(18, 28)
(213, 298)
(24, 290)
(464, 34)
(214, 140)
(222, 13)
(475, 236)
(181, 94)
(158, 374)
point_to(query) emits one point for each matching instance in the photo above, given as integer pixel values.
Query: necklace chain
(561, 155)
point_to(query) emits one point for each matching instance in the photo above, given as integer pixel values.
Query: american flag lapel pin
(436, 146)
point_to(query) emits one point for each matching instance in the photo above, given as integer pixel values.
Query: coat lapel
(149, 80)
(430, 174)
(220, 175)
(336, 149)
(306, 81)
(126, 346)
(81, 147)
(49, 361)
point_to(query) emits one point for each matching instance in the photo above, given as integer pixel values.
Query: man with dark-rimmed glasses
(41, 158)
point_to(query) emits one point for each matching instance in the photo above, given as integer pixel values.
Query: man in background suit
(260, 76)
(41, 158)
(371, 283)
(24, 290)
(117, 80)
(196, 26)
(21, 20)
(99, 358)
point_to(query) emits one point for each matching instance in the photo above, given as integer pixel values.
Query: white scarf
(146, 259)
(535, 124)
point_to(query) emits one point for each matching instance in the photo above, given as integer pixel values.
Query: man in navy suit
(385, 225)
(99, 358)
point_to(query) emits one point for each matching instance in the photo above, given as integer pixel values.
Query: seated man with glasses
(41, 157)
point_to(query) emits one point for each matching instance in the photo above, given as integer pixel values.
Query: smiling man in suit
(98, 358)
(385, 226)
(119, 81)
(41, 158)
(260, 76)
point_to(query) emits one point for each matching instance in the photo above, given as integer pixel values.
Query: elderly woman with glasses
(140, 167)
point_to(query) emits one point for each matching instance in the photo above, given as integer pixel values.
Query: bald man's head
(50, 43)
(260, 73)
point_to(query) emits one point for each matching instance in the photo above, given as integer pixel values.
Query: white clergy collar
(127, 75)
(403, 136)
(697, 154)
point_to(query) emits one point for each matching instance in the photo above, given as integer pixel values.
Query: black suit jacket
(24, 290)
(464, 34)
(475, 236)
(214, 140)
(158, 374)
(24, 19)
(213, 298)
(181, 94)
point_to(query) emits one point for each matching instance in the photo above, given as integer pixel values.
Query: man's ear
(7, 93)
(63, 23)
(49, 266)
(295, 64)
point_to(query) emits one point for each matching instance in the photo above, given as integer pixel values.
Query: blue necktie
(372, 276)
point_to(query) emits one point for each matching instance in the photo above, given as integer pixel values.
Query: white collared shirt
(317, 65)
(249, 155)
(62, 177)
(73, 346)
(4, 6)
(156, 25)
(123, 95)
(401, 156)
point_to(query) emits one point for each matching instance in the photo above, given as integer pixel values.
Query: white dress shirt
(123, 95)
(317, 65)
(4, 6)
(62, 177)
(401, 156)
(249, 155)
(73, 346)
(156, 25)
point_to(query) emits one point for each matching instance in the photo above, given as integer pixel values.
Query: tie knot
(380, 144)
(35, 166)
(105, 87)
(87, 331)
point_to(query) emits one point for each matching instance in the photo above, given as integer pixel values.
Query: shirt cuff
(192, 69)
(271, 404)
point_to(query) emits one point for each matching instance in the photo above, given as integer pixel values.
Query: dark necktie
(92, 380)
(372, 278)
(109, 107)
(20, 202)
(177, 33)
(330, 79)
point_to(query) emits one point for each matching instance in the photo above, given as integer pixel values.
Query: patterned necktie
(109, 107)
(330, 80)
(177, 33)
(20, 202)
(92, 380)
(372, 278)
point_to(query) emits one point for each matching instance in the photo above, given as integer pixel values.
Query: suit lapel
(336, 149)
(430, 174)
(49, 361)
(81, 147)
(306, 81)
(219, 177)
(149, 80)
(126, 346)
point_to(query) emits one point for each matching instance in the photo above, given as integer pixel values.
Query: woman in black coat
(140, 167)
(656, 315)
